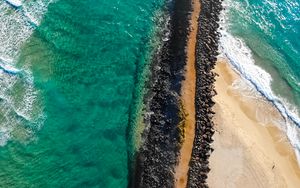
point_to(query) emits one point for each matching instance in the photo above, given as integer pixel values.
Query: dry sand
(188, 102)
(248, 153)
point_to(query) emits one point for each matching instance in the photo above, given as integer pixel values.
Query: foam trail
(240, 57)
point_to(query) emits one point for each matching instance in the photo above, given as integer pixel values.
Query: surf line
(188, 100)
(5, 65)
(14, 3)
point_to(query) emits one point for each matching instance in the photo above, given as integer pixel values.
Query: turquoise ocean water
(261, 38)
(71, 77)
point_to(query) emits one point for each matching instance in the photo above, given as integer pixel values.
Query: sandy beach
(188, 101)
(249, 149)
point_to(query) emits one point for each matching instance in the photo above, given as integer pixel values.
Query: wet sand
(247, 152)
(188, 102)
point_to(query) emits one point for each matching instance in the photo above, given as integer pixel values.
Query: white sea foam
(240, 57)
(19, 103)
(15, 3)
(4, 135)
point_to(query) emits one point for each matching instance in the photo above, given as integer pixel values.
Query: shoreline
(262, 153)
(188, 91)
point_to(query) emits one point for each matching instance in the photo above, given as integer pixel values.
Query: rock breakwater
(158, 154)
(206, 52)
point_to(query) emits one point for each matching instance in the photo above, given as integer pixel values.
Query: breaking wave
(240, 57)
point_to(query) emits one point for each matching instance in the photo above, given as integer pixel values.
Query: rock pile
(158, 155)
(206, 52)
